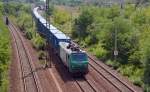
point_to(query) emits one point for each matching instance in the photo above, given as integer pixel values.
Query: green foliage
(135, 57)
(114, 12)
(1, 7)
(82, 23)
(129, 9)
(13, 8)
(146, 88)
(61, 17)
(38, 42)
(91, 40)
(113, 64)
(67, 2)
(144, 45)
(50, 10)
(133, 73)
(29, 34)
(24, 21)
(98, 50)
(4, 56)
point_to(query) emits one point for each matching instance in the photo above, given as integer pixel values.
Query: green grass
(134, 73)
(5, 51)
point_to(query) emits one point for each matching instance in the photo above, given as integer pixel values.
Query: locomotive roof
(64, 46)
(57, 33)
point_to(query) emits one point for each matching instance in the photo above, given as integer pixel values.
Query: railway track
(85, 85)
(113, 79)
(29, 78)
(80, 83)
(121, 84)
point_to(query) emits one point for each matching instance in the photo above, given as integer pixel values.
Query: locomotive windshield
(79, 57)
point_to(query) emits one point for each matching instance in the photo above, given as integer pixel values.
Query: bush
(91, 39)
(98, 51)
(5, 53)
(82, 23)
(38, 42)
(24, 21)
(113, 64)
(29, 35)
(134, 73)
(61, 17)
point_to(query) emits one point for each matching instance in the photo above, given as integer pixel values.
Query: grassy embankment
(5, 53)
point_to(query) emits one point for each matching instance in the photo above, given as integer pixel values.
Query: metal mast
(116, 31)
(48, 58)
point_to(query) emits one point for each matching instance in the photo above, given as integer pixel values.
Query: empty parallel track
(122, 86)
(85, 85)
(29, 79)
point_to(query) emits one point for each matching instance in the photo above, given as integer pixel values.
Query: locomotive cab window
(79, 57)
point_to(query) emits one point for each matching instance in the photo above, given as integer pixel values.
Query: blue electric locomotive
(74, 58)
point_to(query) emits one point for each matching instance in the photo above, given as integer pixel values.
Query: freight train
(71, 55)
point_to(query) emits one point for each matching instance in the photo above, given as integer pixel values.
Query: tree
(50, 10)
(145, 52)
(61, 16)
(82, 23)
(147, 68)
(124, 38)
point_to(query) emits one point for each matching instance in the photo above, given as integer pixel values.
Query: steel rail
(11, 26)
(114, 76)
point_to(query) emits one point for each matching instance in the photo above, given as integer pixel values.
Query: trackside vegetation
(5, 52)
(21, 15)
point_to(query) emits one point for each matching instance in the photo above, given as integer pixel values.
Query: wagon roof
(57, 33)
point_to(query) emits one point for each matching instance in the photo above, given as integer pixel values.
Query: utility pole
(122, 4)
(6, 12)
(6, 7)
(48, 58)
(116, 31)
(116, 47)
